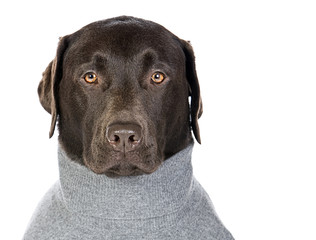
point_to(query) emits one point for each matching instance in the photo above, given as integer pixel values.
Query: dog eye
(90, 77)
(158, 77)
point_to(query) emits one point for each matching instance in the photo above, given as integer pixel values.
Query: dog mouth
(123, 169)
(117, 164)
(120, 170)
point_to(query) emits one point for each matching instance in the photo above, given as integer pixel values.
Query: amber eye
(157, 77)
(90, 77)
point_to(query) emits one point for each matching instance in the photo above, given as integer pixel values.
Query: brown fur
(124, 52)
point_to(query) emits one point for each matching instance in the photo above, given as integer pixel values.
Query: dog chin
(123, 170)
(124, 173)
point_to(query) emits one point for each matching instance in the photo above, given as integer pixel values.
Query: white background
(256, 62)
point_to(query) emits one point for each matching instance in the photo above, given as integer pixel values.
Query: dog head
(125, 94)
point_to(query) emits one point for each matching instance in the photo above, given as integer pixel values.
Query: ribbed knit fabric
(167, 204)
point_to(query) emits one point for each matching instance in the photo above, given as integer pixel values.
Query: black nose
(124, 137)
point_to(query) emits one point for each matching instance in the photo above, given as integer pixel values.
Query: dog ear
(48, 86)
(196, 108)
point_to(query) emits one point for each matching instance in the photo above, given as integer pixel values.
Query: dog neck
(137, 197)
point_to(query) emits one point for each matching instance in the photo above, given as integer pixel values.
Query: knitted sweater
(167, 204)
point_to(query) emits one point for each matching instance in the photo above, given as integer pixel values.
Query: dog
(125, 95)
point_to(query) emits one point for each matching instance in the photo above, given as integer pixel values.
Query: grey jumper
(167, 204)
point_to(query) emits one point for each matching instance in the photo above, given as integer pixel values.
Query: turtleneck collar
(137, 197)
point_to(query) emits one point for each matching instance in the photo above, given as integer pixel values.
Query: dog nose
(124, 137)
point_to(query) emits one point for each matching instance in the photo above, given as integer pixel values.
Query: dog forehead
(124, 36)
(125, 29)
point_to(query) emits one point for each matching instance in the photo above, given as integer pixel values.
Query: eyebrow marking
(148, 58)
(99, 59)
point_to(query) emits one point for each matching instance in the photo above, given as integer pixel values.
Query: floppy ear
(196, 101)
(48, 86)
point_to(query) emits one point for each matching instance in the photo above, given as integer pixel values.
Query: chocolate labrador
(126, 89)
(125, 94)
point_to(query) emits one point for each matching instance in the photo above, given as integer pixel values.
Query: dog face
(120, 90)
